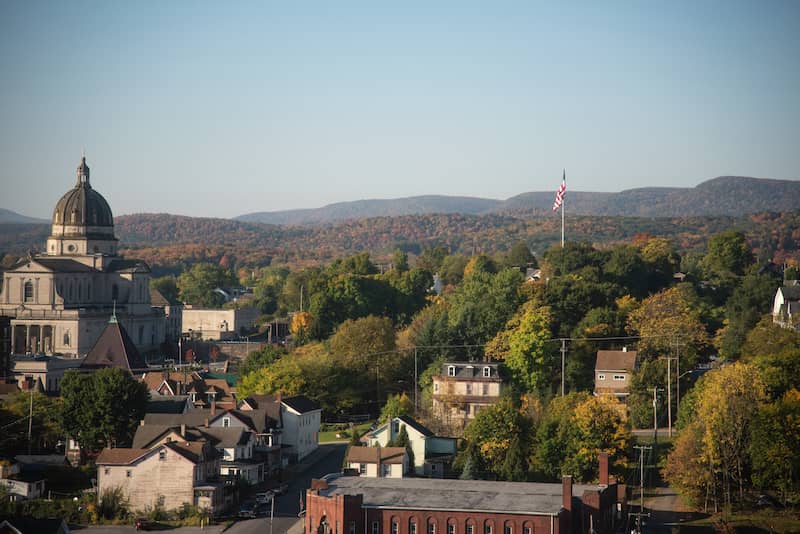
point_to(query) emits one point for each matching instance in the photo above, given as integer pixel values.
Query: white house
(301, 419)
(432, 454)
(378, 462)
(786, 306)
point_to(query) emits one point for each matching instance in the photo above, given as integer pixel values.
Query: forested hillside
(170, 241)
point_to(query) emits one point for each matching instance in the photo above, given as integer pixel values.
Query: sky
(223, 108)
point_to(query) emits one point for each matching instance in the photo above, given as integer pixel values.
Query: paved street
(327, 459)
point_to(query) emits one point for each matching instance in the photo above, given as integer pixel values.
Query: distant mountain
(12, 217)
(361, 209)
(725, 195)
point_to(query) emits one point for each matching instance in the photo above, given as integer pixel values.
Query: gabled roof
(615, 360)
(374, 455)
(158, 299)
(300, 404)
(169, 404)
(146, 435)
(415, 425)
(130, 266)
(120, 456)
(114, 348)
(57, 265)
(227, 437)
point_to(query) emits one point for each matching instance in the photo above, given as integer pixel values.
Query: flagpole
(562, 212)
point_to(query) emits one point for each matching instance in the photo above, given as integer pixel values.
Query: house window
(526, 530)
(376, 527)
(469, 389)
(396, 427)
(487, 529)
(487, 372)
(485, 389)
(508, 530)
(436, 387)
(28, 292)
(412, 528)
(162, 454)
(431, 527)
(451, 370)
(395, 527)
(619, 377)
(362, 469)
(128, 473)
(451, 529)
(601, 377)
(386, 470)
(226, 421)
(470, 529)
(106, 471)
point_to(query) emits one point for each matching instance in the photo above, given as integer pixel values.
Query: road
(327, 459)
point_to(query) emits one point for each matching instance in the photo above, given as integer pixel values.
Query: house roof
(120, 456)
(168, 404)
(300, 403)
(790, 292)
(372, 455)
(194, 451)
(227, 437)
(415, 425)
(62, 265)
(158, 299)
(471, 371)
(439, 494)
(268, 403)
(114, 348)
(146, 435)
(615, 360)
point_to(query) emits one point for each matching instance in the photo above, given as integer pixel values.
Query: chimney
(213, 407)
(566, 492)
(603, 461)
(183, 430)
(624, 349)
(205, 424)
(278, 398)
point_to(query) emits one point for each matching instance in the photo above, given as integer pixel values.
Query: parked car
(248, 510)
(142, 523)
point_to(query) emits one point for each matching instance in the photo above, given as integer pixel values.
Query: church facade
(60, 302)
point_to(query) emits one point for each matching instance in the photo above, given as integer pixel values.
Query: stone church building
(60, 302)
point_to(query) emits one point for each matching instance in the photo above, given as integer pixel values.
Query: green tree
(167, 286)
(728, 254)
(431, 258)
(515, 463)
(493, 430)
(750, 300)
(197, 285)
(452, 269)
(258, 359)
(46, 427)
(102, 408)
(775, 352)
(361, 344)
(520, 256)
(774, 445)
(403, 441)
(472, 463)
(400, 261)
(396, 405)
(268, 289)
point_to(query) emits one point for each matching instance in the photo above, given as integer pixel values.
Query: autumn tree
(102, 408)
(775, 352)
(492, 431)
(167, 286)
(748, 303)
(774, 446)
(361, 345)
(396, 405)
(258, 359)
(197, 285)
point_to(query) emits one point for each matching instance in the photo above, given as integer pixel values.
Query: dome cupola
(83, 217)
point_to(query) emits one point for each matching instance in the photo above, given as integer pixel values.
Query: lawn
(342, 432)
(759, 521)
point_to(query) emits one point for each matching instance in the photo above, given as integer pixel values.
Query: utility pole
(563, 358)
(30, 420)
(416, 383)
(655, 413)
(641, 513)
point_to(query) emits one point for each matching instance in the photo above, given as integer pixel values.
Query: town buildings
(60, 301)
(786, 305)
(613, 371)
(432, 454)
(464, 388)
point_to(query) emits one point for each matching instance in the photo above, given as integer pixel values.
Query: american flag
(560, 193)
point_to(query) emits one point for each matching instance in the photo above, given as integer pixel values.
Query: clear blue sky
(224, 108)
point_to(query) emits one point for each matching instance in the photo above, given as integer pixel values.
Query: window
(451, 529)
(487, 529)
(526, 530)
(601, 377)
(487, 372)
(352, 527)
(436, 387)
(470, 529)
(451, 370)
(226, 421)
(431, 527)
(362, 469)
(128, 473)
(386, 470)
(395, 527)
(162, 454)
(469, 389)
(28, 292)
(396, 427)
(508, 530)
(485, 389)
(106, 471)
(376, 527)
(412, 528)
(619, 377)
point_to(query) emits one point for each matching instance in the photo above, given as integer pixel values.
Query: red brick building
(354, 505)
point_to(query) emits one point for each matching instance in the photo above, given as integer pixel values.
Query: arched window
(66, 338)
(412, 526)
(470, 528)
(431, 525)
(451, 526)
(27, 292)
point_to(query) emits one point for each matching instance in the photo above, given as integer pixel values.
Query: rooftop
(439, 494)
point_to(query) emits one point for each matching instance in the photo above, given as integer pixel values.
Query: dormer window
(162, 454)
(451, 370)
(487, 372)
(226, 422)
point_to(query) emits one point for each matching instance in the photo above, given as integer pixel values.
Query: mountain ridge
(723, 195)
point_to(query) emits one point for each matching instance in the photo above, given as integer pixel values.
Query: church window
(66, 338)
(28, 292)
(71, 248)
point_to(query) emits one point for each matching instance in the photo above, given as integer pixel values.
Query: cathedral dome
(82, 210)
